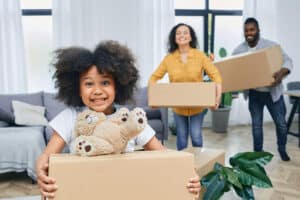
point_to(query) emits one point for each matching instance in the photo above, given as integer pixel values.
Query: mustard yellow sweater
(191, 71)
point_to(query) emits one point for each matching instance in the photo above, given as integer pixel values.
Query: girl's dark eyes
(88, 83)
(105, 82)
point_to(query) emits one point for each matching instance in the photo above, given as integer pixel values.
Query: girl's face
(183, 36)
(97, 91)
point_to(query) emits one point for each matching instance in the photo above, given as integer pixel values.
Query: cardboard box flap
(139, 175)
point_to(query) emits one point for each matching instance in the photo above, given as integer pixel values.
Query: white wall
(288, 32)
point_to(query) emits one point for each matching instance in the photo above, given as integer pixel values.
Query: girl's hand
(194, 186)
(46, 184)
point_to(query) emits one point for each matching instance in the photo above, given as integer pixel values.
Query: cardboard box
(140, 175)
(250, 70)
(205, 160)
(200, 94)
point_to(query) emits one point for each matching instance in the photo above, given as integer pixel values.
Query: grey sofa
(21, 145)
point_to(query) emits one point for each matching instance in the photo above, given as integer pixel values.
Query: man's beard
(253, 40)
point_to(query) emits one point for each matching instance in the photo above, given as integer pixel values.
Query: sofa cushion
(3, 124)
(141, 97)
(28, 114)
(6, 117)
(157, 125)
(53, 106)
(32, 98)
(152, 113)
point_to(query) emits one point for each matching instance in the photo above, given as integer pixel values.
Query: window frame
(206, 13)
(36, 12)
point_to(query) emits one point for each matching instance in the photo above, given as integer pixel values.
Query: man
(271, 96)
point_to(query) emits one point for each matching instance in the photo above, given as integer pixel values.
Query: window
(227, 27)
(210, 19)
(189, 4)
(226, 5)
(37, 31)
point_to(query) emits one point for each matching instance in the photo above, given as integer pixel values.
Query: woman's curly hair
(109, 57)
(118, 61)
(69, 63)
(172, 46)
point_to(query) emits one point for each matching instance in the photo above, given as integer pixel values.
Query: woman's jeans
(257, 101)
(189, 124)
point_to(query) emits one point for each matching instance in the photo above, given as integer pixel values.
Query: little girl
(95, 80)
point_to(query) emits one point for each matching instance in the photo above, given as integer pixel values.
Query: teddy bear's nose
(140, 120)
(124, 119)
(87, 148)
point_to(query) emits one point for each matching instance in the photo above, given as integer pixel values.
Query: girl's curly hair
(69, 63)
(118, 61)
(109, 57)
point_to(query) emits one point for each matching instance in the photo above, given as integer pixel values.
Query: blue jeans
(189, 124)
(257, 101)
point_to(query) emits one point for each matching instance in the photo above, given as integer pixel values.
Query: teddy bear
(97, 134)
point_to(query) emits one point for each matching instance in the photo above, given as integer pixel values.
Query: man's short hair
(252, 20)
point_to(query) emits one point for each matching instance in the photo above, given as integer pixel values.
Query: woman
(185, 63)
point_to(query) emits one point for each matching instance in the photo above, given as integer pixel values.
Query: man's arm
(287, 66)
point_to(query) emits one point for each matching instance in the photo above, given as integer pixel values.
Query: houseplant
(220, 116)
(247, 170)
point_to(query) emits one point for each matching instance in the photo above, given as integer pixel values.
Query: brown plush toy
(97, 135)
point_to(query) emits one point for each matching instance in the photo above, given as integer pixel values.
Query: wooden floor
(285, 176)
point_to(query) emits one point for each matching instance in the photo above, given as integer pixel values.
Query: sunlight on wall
(38, 47)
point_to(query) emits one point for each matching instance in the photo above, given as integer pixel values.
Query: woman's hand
(218, 95)
(46, 184)
(194, 186)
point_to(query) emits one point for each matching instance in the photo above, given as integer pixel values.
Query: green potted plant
(247, 170)
(220, 116)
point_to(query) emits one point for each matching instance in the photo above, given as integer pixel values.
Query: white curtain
(142, 25)
(266, 13)
(12, 58)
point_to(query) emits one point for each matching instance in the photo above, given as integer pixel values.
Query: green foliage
(222, 52)
(226, 100)
(226, 97)
(247, 171)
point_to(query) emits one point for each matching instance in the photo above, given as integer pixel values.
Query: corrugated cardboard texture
(205, 160)
(250, 70)
(182, 94)
(146, 175)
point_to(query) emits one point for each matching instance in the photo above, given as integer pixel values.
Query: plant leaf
(207, 179)
(246, 193)
(216, 187)
(252, 175)
(248, 166)
(232, 177)
(261, 158)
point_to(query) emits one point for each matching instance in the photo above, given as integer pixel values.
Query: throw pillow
(28, 114)
(53, 105)
(6, 117)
